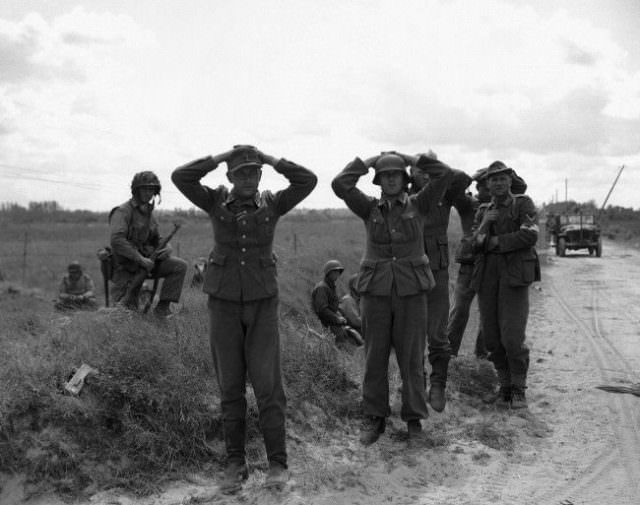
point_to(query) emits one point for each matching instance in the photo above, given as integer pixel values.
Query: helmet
(147, 178)
(390, 162)
(332, 265)
(243, 156)
(74, 266)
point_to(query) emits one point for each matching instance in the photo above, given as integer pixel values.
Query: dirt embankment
(575, 445)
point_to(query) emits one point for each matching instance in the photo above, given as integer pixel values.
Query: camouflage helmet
(332, 265)
(148, 179)
(390, 161)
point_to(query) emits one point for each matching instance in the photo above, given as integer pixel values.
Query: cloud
(579, 56)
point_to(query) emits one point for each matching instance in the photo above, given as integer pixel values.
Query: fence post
(24, 258)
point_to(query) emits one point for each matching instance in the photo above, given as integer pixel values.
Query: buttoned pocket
(423, 273)
(367, 271)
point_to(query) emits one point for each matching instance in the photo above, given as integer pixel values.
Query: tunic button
(243, 223)
(244, 249)
(244, 236)
(393, 231)
(266, 219)
(242, 262)
(394, 258)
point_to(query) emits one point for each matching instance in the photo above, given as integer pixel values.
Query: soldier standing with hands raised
(243, 296)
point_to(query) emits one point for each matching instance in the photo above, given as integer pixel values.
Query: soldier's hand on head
(222, 157)
(370, 162)
(147, 264)
(267, 158)
(342, 320)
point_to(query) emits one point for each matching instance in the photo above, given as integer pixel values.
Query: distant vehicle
(578, 231)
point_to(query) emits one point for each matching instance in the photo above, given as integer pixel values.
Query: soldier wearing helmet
(326, 304)
(241, 282)
(76, 290)
(393, 281)
(134, 237)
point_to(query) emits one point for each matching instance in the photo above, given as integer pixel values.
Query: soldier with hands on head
(393, 281)
(436, 245)
(506, 231)
(76, 290)
(241, 282)
(134, 238)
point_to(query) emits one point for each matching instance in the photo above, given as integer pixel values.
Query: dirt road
(577, 445)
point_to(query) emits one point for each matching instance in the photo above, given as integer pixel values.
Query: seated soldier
(350, 305)
(325, 303)
(76, 290)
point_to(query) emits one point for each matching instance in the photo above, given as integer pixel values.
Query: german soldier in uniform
(240, 280)
(134, 237)
(393, 282)
(326, 305)
(506, 231)
(436, 245)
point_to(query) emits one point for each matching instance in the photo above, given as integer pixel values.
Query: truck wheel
(562, 246)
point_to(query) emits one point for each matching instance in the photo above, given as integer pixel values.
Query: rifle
(139, 278)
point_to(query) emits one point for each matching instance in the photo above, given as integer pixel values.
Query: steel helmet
(146, 178)
(390, 162)
(332, 265)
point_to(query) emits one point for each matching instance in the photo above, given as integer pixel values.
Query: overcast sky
(93, 91)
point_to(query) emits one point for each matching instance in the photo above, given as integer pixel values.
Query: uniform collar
(231, 197)
(400, 198)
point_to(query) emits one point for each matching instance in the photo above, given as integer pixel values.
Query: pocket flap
(409, 215)
(267, 261)
(423, 261)
(217, 258)
(367, 264)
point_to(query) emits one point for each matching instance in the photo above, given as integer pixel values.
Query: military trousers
(438, 313)
(399, 322)
(463, 295)
(172, 270)
(504, 311)
(245, 342)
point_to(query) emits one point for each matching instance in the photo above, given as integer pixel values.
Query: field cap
(243, 156)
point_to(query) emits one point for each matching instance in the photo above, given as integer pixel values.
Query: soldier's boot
(518, 399)
(162, 309)
(371, 429)
(437, 398)
(414, 427)
(277, 476)
(503, 399)
(234, 476)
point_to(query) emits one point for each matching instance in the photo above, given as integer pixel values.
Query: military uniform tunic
(243, 305)
(502, 276)
(393, 281)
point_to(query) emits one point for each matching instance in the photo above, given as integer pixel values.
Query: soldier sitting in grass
(76, 290)
(326, 305)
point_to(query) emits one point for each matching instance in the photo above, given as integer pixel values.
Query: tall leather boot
(437, 398)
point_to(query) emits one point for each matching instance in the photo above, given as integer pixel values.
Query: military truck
(578, 231)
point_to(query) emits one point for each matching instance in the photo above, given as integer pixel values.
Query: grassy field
(152, 414)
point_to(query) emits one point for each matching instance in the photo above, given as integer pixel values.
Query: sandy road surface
(576, 445)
